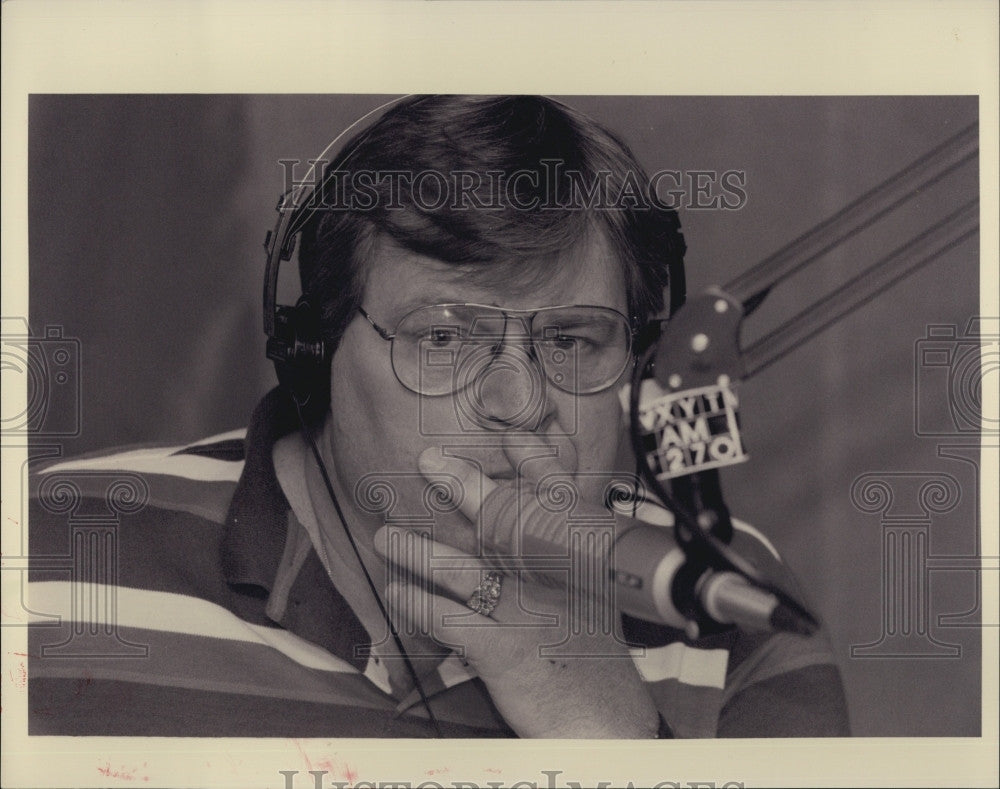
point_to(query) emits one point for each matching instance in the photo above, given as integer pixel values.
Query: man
(474, 271)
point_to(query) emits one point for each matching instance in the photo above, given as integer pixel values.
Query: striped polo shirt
(170, 596)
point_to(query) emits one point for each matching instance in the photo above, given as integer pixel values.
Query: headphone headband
(294, 209)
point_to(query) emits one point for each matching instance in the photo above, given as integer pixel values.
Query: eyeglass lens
(441, 349)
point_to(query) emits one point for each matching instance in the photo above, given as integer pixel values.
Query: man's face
(379, 428)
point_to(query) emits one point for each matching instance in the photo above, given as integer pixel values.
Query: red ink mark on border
(331, 765)
(19, 676)
(302, 750)
(122, 773)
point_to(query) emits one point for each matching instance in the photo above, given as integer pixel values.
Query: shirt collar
(256, 524)
(256, 538)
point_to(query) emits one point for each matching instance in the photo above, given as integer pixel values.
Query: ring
(486, 596)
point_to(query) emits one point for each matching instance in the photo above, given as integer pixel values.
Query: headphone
(294, 333)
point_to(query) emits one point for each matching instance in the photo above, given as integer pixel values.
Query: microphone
(652, 577)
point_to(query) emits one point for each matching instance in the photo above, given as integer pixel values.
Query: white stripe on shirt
(158, 460)
(688, 665)
(172, 613)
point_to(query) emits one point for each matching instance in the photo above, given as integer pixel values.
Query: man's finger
(474, 485)
(428, 564)
(419, 610)
(534, 458)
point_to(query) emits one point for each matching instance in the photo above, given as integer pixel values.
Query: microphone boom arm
(684, 419)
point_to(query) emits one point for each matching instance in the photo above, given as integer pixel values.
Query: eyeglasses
(443, 348)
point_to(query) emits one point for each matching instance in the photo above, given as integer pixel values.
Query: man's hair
(485, 183)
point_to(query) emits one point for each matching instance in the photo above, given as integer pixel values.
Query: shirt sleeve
(806, 702)
(780, 684)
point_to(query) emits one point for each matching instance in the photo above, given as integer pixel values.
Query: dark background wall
(147, 215)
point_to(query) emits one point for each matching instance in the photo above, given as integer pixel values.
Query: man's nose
(510, 392)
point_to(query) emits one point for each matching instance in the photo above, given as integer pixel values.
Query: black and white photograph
(382, 422)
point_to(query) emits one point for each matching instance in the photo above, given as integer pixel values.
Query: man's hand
(548, 675)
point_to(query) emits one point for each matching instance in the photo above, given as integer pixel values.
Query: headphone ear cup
(304, 370)
(676, 248)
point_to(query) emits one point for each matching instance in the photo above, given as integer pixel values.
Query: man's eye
(443, 337)
(568, 342)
